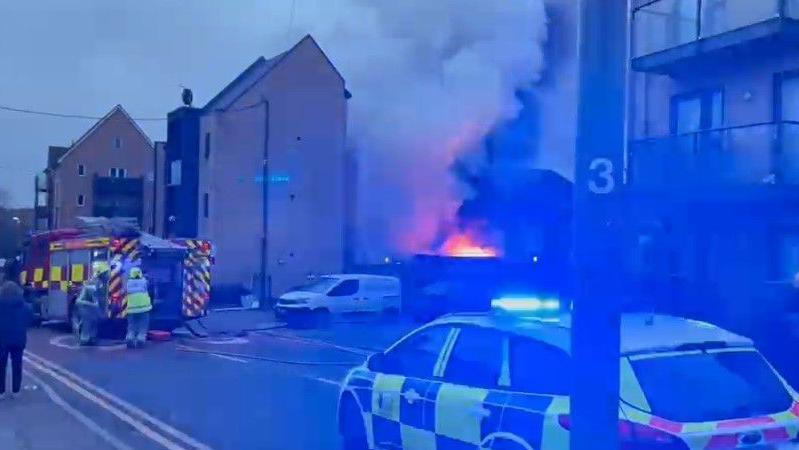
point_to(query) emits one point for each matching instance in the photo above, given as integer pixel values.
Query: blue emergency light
(526, 304)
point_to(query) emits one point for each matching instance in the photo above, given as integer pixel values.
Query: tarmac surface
(266, 388)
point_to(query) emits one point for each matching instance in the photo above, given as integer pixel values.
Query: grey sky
(430, 79)
(86, 56)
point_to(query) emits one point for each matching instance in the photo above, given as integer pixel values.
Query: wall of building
(305, 156)
(748, 93)
(725, 249)
(183, 141)
(160, 189)
(98, 155)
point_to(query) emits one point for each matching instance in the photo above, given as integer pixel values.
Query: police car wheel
(353, 432)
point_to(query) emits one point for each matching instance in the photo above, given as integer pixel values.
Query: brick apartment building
(107, 172)
(261, 170)
(714, 152)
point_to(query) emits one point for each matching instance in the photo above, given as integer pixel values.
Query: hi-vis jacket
(138, 300)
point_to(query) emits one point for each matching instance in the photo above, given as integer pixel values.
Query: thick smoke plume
(430, 80)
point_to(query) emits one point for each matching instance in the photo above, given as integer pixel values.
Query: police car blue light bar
(525, 304)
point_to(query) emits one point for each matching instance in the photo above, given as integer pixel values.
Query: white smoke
(430, 79)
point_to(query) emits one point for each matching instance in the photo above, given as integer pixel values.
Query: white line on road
(355, 350)
(229, 358)
(122, 404)
(121, 415)
(112, 440)
(325, 380)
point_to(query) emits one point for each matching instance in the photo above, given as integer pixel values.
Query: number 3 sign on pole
(602, 182)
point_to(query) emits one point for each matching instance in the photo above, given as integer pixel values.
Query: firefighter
(92, 302)
(139, 307)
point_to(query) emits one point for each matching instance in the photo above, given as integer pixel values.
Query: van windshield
(320, 286)
(703, 387)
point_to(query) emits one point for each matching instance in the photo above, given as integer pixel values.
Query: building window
(81, 170)
(207, 146)
(122, 173)
(117, 172)
(205, 205)
(697, 111)
(81, 200)
(175, 172)
(117, 143)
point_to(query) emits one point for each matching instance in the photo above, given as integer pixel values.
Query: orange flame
(463, 245)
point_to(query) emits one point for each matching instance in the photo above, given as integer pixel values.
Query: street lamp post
(598, 211)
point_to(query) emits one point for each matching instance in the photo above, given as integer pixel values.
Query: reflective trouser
(89, 318)
(138, 325)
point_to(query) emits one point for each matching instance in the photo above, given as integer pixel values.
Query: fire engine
(55, 264)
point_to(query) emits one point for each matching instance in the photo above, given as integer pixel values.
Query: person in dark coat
(14, 320)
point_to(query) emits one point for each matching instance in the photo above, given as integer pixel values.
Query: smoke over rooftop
(430, 80)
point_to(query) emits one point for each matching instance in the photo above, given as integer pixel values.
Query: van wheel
(352, 429)
(321, 317)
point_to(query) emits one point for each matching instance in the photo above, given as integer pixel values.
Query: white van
(342, 294)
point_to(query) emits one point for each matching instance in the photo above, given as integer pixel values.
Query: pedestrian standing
(14, 320)
(139, 306)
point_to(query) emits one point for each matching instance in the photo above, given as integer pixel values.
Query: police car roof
(640, 333)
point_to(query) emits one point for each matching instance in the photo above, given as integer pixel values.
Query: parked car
(341, 294)
(491, 380)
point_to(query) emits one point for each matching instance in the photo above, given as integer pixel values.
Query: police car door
(399, 396)
(468, 397)
(540, 381)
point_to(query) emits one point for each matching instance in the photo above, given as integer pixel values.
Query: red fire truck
(55, 265)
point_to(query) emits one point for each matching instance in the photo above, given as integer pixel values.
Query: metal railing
(663, 24)
(766, 153)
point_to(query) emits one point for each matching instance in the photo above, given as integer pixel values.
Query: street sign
(598, 215)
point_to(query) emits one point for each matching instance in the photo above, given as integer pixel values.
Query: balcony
(727, 161)
(674, 36)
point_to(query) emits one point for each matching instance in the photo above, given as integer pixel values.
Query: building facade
(713, 162)
(269, 188)
(107, 172)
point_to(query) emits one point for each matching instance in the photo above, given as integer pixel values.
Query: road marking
(59, 341)
(326, 381)
(229, 358)
(225, 341)
(121, 415)
(112, 440)
(165, 428)
(355, 350)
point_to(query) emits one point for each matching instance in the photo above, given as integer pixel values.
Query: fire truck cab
(57, 263)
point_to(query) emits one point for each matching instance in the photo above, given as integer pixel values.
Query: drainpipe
(266, 285)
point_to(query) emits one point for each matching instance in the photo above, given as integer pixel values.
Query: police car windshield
(711, 386)
(320, 286)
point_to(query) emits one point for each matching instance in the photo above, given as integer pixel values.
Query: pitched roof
(54, 154)
(96, 126)
(255, 73)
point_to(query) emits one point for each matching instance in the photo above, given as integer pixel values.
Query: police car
(501, 381)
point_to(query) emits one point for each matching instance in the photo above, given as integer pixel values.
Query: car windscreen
(711, 386)
(320, 286)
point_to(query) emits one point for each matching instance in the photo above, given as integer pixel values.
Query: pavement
(34, 421)
(251, 384)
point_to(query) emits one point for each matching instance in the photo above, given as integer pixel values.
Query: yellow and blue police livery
(502, 382)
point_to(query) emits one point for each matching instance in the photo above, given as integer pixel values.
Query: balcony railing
(761, 154)
(660, 25)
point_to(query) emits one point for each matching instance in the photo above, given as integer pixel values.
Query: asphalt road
(275, 390)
